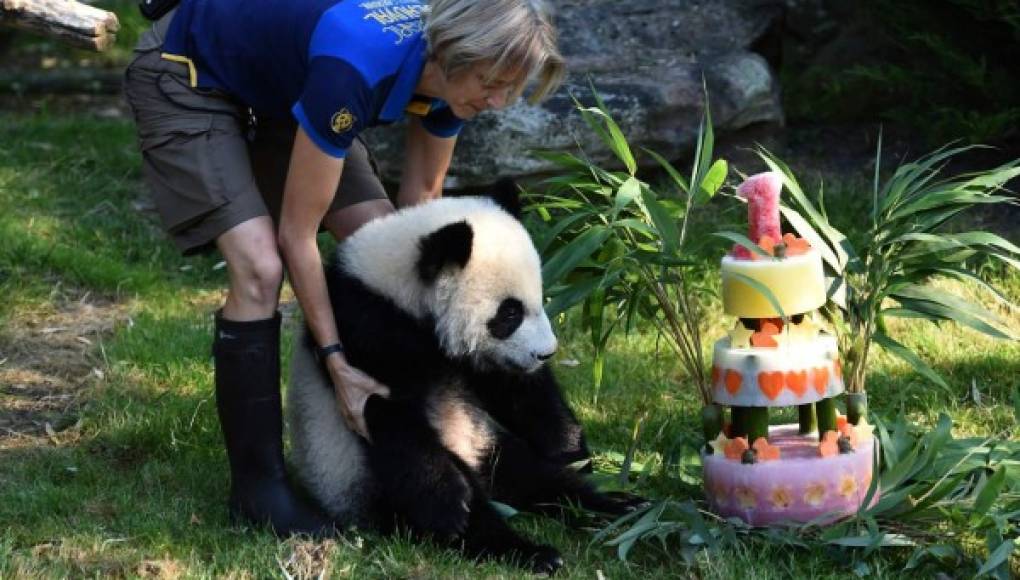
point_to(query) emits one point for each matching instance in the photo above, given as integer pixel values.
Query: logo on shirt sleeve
(342, 121)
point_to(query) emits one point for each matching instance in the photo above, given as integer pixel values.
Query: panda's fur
(442, 303)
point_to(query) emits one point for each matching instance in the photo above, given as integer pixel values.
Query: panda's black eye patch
(508, 317)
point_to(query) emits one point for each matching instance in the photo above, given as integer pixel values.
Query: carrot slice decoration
(820, 380)
(797, 382)
(715, 375)
(841, 422)
(767, 244)
(766, 451)
(837, 367)
(829, 446)
(795, 246)
(762, 340)
(848, 431)
(771, 383)
(735, 448)
(733, 381)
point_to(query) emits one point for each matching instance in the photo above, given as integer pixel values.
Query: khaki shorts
(209, 165)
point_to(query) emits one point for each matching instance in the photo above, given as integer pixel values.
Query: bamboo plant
(618, 244)
(908, 242)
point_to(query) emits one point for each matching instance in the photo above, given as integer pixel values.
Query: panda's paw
(444, 512)
(544, 560)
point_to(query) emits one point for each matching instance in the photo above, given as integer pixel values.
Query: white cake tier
(776, 377)
(797, 282)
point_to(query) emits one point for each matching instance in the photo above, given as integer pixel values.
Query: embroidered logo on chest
(342, 121)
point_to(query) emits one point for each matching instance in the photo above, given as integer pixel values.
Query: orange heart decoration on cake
(797, 382)
(820, 380)
(771, 383)
(733, 381)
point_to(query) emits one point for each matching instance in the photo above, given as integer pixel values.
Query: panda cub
(442, 303)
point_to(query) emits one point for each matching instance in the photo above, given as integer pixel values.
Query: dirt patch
(49, 358)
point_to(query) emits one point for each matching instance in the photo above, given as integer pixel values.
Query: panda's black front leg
(532, 407)
(489, 536)
(524, 479)
(421, 482)
(438, 495)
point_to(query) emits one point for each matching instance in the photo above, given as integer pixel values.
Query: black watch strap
(324, 351)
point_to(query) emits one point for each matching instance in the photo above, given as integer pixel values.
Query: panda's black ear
(507, 195)
(449, 245)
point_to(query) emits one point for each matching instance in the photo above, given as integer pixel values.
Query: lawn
(111, 461)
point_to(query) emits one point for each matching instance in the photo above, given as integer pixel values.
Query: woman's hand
(353, 388)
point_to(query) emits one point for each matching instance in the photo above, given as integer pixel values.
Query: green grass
(138, 487)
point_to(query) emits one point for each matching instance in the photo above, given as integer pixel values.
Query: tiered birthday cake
(820, 468)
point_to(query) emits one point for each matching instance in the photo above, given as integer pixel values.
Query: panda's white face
(491, 308)
(469, 266)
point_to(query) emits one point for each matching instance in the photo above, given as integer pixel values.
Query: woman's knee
(253, 262)
(263, 276)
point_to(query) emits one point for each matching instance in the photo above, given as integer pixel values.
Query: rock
(647, 60)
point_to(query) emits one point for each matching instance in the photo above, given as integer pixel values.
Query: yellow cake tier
(797, 282)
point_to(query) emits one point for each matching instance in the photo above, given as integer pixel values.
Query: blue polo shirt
(338, 66)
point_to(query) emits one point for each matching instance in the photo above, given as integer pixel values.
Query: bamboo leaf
(563, 159)
(746, 242)
(550, 235)
(988, 494)
(931, 243)
(659, 217)
(678, 179)
(947, 305)
(881, 540)
(995, 178)
(572, 254)
(909, 357)
(573, 294)
(942, 198)
(712, 181)
(626, 195)
(837, 241)
(804, 229)
(612, 136)
(506, 512)
(998, 557)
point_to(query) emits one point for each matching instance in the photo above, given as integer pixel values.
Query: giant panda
(442, 303)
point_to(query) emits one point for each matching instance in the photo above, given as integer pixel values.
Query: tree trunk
(76, 24)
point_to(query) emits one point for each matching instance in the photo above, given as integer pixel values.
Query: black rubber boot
(247, 360)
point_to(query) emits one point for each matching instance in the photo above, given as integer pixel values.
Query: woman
(248, 113)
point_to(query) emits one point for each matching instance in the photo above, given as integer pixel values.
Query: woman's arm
(311, 183)
(426, 159)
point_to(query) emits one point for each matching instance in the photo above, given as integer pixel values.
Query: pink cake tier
(792, 374)
(800, 486)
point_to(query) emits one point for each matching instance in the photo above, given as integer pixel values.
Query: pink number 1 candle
(762, 194)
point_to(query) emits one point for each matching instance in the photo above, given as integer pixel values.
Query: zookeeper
(248, 116)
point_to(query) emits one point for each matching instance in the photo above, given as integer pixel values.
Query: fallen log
(69, 21)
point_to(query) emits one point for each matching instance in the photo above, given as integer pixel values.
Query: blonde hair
(512, 35)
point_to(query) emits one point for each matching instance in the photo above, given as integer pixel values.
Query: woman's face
(468, 93)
